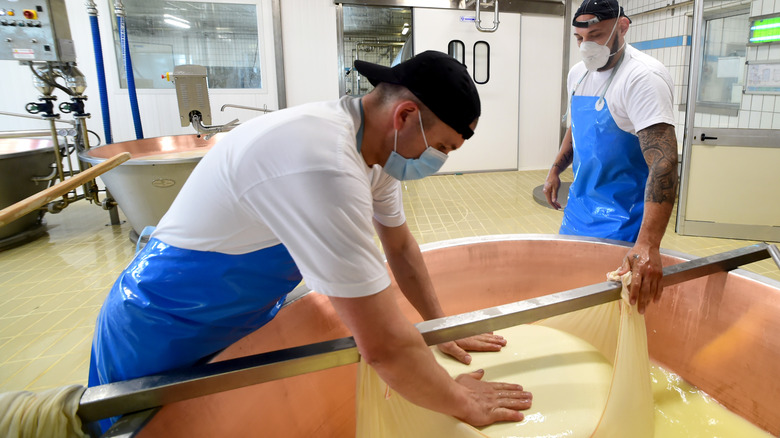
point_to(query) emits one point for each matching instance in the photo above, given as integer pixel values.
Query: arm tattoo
(659, 147)
(565, 160)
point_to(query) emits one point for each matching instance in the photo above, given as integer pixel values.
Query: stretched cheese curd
(570, 382)
(590, 376)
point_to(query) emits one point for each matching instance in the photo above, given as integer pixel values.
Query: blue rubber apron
(606, 198)
(172, 307)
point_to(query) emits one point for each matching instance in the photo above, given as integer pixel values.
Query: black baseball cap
(602, 9)
(440, 82)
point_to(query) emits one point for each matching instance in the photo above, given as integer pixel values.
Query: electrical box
(35, 30)
(192, 93)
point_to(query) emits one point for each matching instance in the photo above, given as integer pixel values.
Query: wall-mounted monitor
(764, 30)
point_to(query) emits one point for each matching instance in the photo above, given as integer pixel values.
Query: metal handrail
(478, 22)
(28, 116)
(230, 105)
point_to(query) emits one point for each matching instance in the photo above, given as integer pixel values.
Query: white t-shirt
(293, 177)
(641, 93)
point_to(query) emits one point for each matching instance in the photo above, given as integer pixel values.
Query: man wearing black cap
(622, 146)
(295, 194)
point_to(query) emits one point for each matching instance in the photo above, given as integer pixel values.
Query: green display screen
(765, 31)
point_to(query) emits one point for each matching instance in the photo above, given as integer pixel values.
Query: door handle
(704, 137)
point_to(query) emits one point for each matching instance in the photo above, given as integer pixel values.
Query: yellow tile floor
(51, 289)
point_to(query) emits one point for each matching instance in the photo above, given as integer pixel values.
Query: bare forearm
(654, 223)
(397, 351)
(415, 283)
(565, 154)
(412, 371)
(659, 147)
(409, 269)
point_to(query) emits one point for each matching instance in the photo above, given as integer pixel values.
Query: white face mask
(595, 55)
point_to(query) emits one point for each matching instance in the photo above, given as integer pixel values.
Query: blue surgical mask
(405, 169)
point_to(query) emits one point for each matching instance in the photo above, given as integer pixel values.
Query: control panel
(35, 30)
(192, 93)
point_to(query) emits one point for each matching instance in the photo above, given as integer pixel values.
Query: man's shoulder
(323, 109)
(319, 122)
(642, 64)
(577, 70)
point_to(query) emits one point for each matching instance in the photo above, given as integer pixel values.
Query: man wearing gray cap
(622, 146)
(295, 194)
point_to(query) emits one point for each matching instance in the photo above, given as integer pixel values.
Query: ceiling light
(176, 23)
(175, 18)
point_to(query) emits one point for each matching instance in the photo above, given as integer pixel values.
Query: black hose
(52, 83)
(100, 140)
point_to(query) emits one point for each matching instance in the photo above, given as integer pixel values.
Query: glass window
(481, 62)
(222, 37)
(381, 35)
(723, 66)
(457, 50)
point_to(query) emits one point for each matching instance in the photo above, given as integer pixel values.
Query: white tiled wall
(649, 23)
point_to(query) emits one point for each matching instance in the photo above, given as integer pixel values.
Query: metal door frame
(544, 7)
(685, 226)
(558, 8)
(694, 64)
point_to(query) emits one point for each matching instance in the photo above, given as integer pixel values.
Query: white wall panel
(310, 50)
(541, 51)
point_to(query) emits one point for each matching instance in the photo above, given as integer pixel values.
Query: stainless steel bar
(440, 330)
(437, 331)
(28, 116)
(25, 134)
(152, 391)
(230, 105)
(725, 261)
(147, 392)
(545, 7)
(57, 155)
(775, 254)
(281, 84)
(694, 64)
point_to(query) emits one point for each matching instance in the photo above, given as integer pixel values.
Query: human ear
(402, 112)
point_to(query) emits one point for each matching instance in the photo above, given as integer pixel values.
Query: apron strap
(568, 108)
(600, 102)
(147, 231)
(359, 135)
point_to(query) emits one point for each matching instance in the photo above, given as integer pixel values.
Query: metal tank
(720, 332)
(25, 166)
(146, 185)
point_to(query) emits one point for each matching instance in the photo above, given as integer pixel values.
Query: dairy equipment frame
(37, 34)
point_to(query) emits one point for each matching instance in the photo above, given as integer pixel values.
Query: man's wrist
(648, 242)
